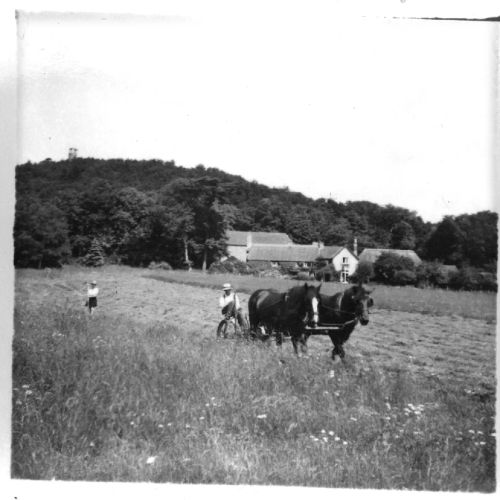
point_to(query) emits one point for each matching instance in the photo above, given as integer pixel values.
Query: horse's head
(311, 301)
(362, 301)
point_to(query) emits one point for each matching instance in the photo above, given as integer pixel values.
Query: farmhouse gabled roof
(372, 254)
(329, 252)
(283, 253)
(241, 238)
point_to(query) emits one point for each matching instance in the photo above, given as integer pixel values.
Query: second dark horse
(344, 310)
(289, 311)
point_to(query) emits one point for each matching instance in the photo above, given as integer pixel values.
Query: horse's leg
(279, 337)
(294, 337)
(341, 352)
(303, 342)
(334, 350)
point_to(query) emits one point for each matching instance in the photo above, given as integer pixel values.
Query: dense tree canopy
(143, 211)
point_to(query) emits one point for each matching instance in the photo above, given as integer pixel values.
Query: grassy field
(142, 391)
(480, 305)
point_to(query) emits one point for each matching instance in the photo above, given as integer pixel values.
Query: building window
(343, 276)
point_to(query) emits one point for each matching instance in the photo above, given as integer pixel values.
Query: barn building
(372, 254)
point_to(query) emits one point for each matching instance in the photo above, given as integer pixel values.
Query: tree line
(138, 212)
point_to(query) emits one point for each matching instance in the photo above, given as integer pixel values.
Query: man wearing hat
(230, 303)
(92, 292)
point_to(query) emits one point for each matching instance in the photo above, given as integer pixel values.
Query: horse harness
(337, 309)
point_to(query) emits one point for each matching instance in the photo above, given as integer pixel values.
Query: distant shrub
(433, 274)
(160, 265)
(327, 273)
(230, 265)
(95, 255)
(290, 268)
(404, 277)
(303, 276)
(388, 265)
(469, 278)
(363, 274)
(260, 266)
(488, 282)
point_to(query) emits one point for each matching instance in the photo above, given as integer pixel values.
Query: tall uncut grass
(103, 398)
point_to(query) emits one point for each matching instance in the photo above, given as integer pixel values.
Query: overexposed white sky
(352, 107)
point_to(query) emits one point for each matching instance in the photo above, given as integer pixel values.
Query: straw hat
(227, 286)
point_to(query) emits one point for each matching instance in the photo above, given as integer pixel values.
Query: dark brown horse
(344, 310)
(289, 311)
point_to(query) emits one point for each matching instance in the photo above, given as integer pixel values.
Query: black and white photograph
(252, 244)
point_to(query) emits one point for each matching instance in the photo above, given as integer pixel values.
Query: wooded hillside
(142, 211)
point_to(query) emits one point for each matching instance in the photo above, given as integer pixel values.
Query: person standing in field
(230, 304)
(92, 292)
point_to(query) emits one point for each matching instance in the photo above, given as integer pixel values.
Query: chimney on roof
(355, 247)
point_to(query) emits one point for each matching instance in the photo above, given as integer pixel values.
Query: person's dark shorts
(92, 302)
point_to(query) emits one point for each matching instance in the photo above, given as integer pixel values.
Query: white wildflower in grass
(471, 431)
(160, 426)
(325, 439)
(202, 418)
(482, 443)
(91, 444)
(480, 432)
(323, 431)
(311, 436)
(25, 386)
(132, 423)
(337, 438)
(331, 373)
(151, 460)
(261, 417)
(337, 393)
(28, 392)
(169, 424)
(354, 419)
(493, 434)
(331, 433)
(315, 439)
(188, 426)
(207, 404)
(18, 402)
(344, 443)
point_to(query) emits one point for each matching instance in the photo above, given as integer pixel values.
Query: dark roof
(372, 254)
(329, 252)
(237, 238)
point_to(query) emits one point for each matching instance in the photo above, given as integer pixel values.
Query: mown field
(142, 391)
